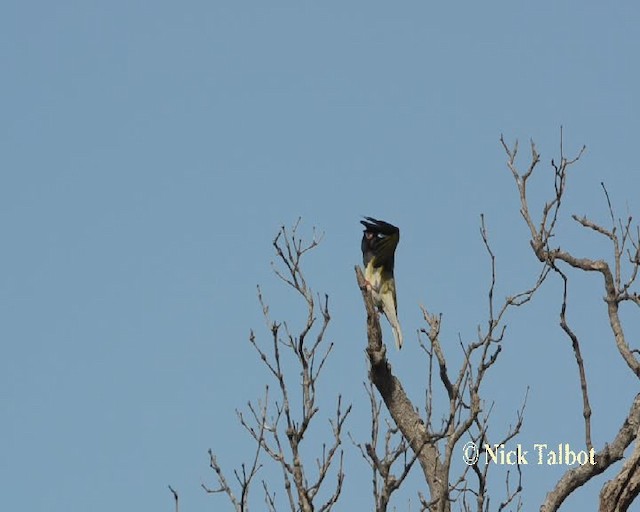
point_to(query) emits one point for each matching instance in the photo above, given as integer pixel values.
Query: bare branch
(610, 454)
(618, 494)
(270, 499)
(575, 343)
(385, 480)
(175, 497)
(627, 482)
(224, 486)
(270, 422)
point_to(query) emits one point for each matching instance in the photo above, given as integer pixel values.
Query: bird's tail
(397, 332)
(390, 312)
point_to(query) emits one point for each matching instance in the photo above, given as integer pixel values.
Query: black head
(379, 241)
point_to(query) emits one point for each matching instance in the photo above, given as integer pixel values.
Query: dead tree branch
(618, 494)
(175, 497)
(279, 427)
(433, 446)
(385, 480)
(610, 454)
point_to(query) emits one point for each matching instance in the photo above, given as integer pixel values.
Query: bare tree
(619, 277)
(276, 424)
(467, 414)
(403, 435)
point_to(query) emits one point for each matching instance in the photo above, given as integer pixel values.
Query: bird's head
(379, 242)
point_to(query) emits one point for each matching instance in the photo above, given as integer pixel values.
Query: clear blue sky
(149, 153)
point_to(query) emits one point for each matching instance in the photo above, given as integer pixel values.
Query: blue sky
(150, 152)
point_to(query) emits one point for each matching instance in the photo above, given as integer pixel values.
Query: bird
(379, 242)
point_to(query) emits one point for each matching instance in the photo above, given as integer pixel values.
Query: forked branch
(624, 242)
(278, 427)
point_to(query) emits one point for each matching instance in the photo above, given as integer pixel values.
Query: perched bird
(379, 243)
